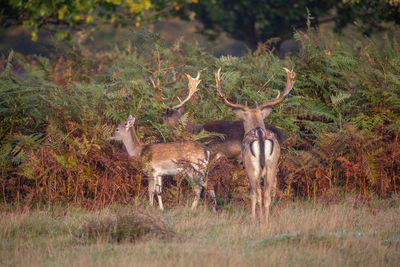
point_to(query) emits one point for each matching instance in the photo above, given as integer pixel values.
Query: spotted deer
(233, 131)
(260, 147)
(189, 157)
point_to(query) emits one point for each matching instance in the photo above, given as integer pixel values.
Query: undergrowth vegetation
(341, 121)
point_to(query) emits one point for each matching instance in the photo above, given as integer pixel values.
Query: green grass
(300, 233)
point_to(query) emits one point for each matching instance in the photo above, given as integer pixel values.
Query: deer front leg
(158, 189)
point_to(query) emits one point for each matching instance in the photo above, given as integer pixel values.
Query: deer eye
(117, 130)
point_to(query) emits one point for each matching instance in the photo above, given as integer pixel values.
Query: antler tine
(290, 75)
(192, 85)
(157, 90)
(218, 85)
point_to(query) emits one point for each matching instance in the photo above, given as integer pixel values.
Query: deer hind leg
(158, 189)
(206, 185)
(197, 187)
(211, 193)
(269, 189)
(259, 202)
(267, 203)
(254, 188)
(197, 191)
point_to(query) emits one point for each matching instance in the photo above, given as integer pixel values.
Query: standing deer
(260, 147)
(161, 159)
(233, 131)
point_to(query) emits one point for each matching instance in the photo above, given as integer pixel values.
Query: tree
(252, 21)
(62, 15)
(255, 21)
(369, 13)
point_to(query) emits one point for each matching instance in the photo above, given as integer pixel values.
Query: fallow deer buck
(233, 131)
(161, 159)
(260, 147)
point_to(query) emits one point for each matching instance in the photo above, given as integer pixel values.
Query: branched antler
(290, 75)
(289, 86)
(218, 85)
(192, 85)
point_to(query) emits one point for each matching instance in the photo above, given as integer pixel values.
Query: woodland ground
(347, 233)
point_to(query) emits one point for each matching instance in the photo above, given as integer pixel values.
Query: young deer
(233, 131)
(166, 159)
(260, 147)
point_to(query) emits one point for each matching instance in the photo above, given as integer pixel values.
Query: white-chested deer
(233, 131)
(260, 147)
(162, 159)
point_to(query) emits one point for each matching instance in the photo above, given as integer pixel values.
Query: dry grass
(300, 233)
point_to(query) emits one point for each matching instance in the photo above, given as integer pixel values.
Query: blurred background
(221, 27)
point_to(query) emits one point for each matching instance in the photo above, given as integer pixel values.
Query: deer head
(123, 130)
(173, 115)
(253, 118)
(126, 133)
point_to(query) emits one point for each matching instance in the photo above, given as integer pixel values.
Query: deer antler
(157, 90)
(289, 86)
(218, 85)
(192, 85)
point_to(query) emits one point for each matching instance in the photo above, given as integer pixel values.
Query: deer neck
(253, 122)
(133, 144)
(194, 127)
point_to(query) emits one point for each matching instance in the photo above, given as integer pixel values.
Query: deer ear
(265, 112)
(239, 112)
(131, 121)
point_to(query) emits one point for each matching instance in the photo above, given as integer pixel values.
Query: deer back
(234, 130)
(173, 155)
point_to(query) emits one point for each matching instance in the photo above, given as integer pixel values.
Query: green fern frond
(340, 98)
(228, 60)
(204, 135)
(314, 109)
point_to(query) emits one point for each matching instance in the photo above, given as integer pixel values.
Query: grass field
(349, 233)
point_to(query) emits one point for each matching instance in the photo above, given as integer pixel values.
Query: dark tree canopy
(255, 21)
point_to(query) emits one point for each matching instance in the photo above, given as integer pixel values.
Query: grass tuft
(124, 227)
